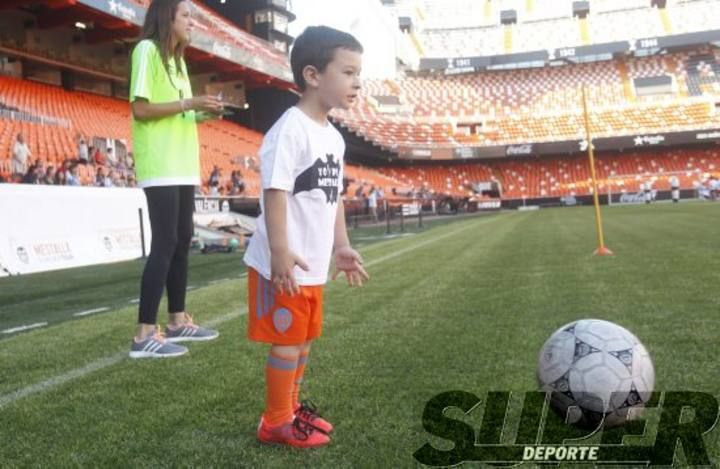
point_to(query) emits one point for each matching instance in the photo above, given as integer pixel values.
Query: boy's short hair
(316, 46)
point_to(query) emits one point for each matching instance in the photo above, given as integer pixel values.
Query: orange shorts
(281, 319)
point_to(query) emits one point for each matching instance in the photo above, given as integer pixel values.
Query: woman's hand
(207, 103)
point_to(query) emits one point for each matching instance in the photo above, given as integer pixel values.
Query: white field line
(24, 328)
(92, 311)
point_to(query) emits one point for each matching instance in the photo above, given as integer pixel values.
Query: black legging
(171, 219)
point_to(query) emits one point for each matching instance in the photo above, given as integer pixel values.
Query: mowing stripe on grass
(103, 363)
(89, 368)
(92, 311)
(414, 246)
(215, 282)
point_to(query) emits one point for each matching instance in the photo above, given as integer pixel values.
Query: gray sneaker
(190, 332)
(156, 346)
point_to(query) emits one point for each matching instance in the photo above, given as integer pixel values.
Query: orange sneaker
(307, 412)
(295, 433)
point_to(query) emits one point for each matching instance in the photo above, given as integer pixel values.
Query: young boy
(302, 224)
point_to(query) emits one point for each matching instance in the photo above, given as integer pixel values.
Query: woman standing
(167, 162)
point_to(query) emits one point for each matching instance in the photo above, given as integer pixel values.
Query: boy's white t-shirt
(305, 159)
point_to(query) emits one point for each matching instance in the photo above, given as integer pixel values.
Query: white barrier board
(58, 227)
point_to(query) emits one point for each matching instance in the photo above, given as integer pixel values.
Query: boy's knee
(286, 351)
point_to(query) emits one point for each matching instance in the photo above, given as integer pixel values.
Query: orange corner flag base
(603, 251)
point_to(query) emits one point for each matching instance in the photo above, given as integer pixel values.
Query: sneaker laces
(308, 410)
(301, 430)
(190, 323)
(159, 335)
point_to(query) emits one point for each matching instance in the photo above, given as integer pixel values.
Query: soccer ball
(598, 370)
(233, 244)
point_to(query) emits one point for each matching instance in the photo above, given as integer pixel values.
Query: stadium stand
(502, 107)
(222, 143)
(564, 176)
(538, 104)
(547, 24)
(211, 23)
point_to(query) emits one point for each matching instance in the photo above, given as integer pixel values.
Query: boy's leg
(305, 410)
(299, 372)
(280, 371)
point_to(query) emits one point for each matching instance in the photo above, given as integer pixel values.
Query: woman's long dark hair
(158, 28)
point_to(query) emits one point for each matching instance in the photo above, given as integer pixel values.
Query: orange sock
(299, 372)
(279, 377)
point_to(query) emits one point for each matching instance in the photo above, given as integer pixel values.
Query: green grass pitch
(463, 305)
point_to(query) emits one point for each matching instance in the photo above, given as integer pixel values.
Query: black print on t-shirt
(321, 175)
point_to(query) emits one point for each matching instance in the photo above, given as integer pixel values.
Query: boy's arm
(347, 259)
(341, 237)
(281, 259)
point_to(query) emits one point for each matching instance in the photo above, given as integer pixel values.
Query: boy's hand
(349, 261)
(282, 265)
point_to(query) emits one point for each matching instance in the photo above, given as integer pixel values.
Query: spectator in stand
(60, 178)
(359, 192)
(72, 177)
(49, 178)
(714, 186)
(20, 155)
(83, 151)
(238, 184)
(214, 177)
(40, 170)
(98, 158)
(110, 158)
(372, 203)
(110, 179)
(65, 167)
(131, 181)
(34, 173)
(675, 188)
(100, 177)
(121, 166)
